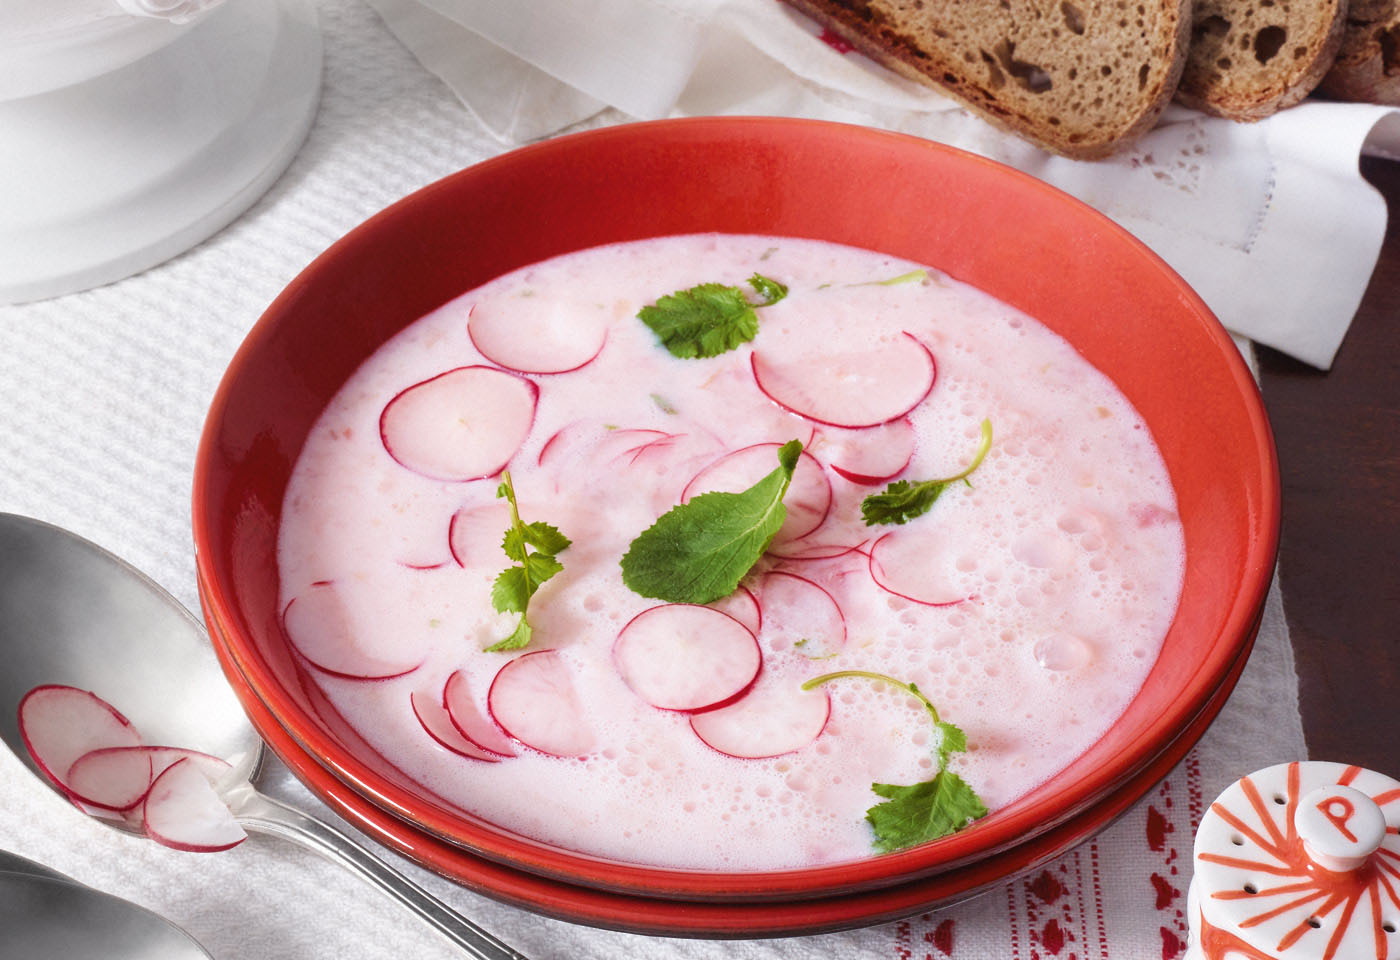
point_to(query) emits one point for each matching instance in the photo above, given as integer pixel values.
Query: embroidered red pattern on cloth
(1121, 896)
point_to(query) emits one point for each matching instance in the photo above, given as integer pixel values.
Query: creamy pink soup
(1029, 606)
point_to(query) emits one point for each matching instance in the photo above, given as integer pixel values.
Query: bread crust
(989, 78)
(1248, 60)
(1367, 68)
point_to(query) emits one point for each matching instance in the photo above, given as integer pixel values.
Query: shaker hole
(1314, 923)
(1237, 840)
(1388, 926)
(1250, 889)
(1280, 799)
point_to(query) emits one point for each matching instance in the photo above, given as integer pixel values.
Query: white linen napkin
(1270, 222)
(102, 399)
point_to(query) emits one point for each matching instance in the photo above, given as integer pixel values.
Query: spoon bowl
(48, 917)
(72, 613)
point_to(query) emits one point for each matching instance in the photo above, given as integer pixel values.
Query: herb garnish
(902, 501)
(711, 318)
(515, 585)
(928, 809)
(698, 552)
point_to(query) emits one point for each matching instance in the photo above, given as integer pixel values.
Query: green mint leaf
(514, 586)
(922, 811)
(913, 276)
(510, 593)
(546, 538)
(931, 808)
(902, 500)
(709, 319)
(518, 639)
(698, 552)
(770, 290)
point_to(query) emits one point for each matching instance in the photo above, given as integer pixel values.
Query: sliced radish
(743, 606)
(183, 811)
(534, 700)
(808, 499)
(117, 778)
(807, 550)
(801, 616)
(770, 720)
(474, 536)
(593, 440)
(916, 567)
(855, 388)
(318, 626)
(438, 725)
(419, 539)
(59, 724)
(872, 455)
(679, 656)
(538, 334)
(461, 425)
(469, 720)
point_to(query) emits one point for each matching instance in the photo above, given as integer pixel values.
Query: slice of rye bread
(1367, 68)
(1251, 58)
(1081, 78)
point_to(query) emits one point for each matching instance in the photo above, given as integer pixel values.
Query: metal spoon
(72, 613)
(44, 917)
(14, 863)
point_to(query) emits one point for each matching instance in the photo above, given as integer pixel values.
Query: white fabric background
(102, 397)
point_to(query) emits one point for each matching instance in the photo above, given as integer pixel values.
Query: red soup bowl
(1031, 246)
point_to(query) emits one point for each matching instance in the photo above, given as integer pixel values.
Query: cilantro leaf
(711, 318)
(922, 811)
(514, 586)
(928, 809)
(698, 552)
(902, 501)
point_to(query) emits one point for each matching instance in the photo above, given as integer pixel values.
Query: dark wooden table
(1338, 436)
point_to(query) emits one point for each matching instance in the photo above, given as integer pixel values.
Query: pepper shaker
(1299, 861)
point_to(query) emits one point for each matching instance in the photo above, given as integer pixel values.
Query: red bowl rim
(999, 832)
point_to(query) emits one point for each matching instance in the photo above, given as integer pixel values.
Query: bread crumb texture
(1079, 77)
(1250, 58)
(1367, 68)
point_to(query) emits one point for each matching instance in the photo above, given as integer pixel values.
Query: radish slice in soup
(861, 388)
(872, 455)
(461, 425)
(474, 535)
(318, 626)
(59, 724)
(680, 656)
(743, 606)
(538, 334)
(802, 616)
(469, 720)
(183, 811)
(915, 567)
(807, 501)
(117, 778)
(438, 725)
(534, 700)
(770, 720)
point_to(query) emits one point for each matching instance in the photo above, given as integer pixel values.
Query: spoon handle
(265, 815)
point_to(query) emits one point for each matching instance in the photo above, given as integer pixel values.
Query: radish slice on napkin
(461, 425)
